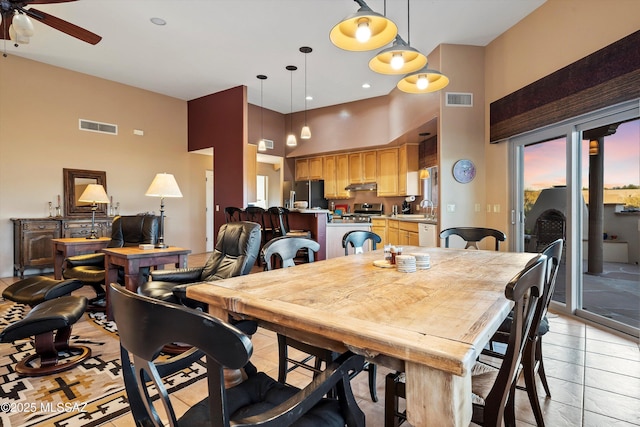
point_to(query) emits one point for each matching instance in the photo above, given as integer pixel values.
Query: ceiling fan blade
(4, 27)
(64, 26)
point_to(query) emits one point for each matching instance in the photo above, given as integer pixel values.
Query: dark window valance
(606, 77)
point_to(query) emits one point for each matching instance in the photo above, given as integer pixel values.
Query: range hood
(368, 186)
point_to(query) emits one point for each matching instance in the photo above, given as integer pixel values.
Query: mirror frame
(70, 197)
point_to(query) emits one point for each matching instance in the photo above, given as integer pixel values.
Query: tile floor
(594, 377)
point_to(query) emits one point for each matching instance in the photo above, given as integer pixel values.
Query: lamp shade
(364, 30)
(423, 81)
(424, 173)
(407, 59)
(94, 193)
(164, 185)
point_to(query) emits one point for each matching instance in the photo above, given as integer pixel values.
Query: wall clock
(464, 171)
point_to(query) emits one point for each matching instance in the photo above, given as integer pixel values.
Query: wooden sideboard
(32, 246)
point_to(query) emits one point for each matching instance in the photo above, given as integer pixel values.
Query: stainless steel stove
(362, 212)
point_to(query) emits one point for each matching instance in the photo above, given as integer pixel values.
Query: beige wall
(39, 110)
(553, 36)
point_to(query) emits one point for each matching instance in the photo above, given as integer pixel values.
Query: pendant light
(400, 58)
(363, 30)
(291, 139)
(262, 146)
(423, 81)
(306, 132)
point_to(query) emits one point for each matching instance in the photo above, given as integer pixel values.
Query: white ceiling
(212, 45)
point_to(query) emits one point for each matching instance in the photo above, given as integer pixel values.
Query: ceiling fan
(14, 12)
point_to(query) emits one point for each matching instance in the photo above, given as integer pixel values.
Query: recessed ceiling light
(309, 98)
(366, 85)
(158, 21)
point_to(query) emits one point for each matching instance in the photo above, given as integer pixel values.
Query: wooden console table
(63, 248)
(32, 247)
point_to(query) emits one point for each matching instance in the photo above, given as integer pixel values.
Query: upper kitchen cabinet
(387, 172)
(310, 168)
(362, 167)
(336, 176)
(408, 181)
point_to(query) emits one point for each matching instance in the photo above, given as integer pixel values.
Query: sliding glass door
(580, 181)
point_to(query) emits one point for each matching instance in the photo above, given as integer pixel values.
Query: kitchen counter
(310, 211)
(343, 223)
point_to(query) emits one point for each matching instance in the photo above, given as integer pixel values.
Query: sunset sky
(545, 163)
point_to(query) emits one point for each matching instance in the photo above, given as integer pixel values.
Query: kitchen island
(314, 220)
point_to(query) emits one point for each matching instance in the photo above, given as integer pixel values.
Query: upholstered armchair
(235, 254)
(125, 231)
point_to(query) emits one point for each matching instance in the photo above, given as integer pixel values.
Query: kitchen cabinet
(336, 176)
(393, 231)
(387, 171)
(408, 180)
(309, 169)
(379, 226)
(408, 233)
(32, 246)
(362, 167)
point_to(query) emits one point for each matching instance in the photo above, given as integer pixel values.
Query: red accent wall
(219, 120)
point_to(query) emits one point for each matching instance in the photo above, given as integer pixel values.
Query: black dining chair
(473, 235)
(532, 362)
(493, 388)
(357, 239)
(146, 325)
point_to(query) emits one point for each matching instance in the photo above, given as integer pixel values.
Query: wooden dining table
(432, 324)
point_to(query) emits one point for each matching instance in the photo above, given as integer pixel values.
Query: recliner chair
(234, 255)
(131, 230)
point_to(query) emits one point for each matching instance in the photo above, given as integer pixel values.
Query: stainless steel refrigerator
(312, 192)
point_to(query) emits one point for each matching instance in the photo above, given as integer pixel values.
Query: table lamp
(94, 194)
(163, 185)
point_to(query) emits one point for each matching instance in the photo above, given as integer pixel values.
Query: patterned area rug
(89, 394)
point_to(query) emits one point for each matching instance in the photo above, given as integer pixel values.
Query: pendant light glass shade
(398, 59)
(423, 81)
(291, 138)
(262, 146)
(363, 30)
(306, 131)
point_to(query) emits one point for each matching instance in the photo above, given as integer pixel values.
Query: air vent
(91, 126)
(455, 99)
(269, 144)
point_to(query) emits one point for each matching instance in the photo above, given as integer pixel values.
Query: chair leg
(529, 368)
(393, 391)
(282, 359)
(371, 368)
(543, 375)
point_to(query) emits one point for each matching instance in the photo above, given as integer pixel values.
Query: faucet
(428, 204)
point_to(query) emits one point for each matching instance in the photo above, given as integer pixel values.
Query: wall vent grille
(92, 126)
(269, 144)
(456, 99)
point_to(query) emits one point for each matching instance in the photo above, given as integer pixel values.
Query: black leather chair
(532, 361)
(145, 325)
(472, 235)
(492, 388)
(357, 238)
(125, 231)
(234, 255)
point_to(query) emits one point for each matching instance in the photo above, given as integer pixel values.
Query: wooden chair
(233, 214)
(145, 325)
(532, 361)
(357, 238)
(492, 388)
(472, 235)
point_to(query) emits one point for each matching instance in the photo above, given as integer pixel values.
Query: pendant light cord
(261, 111)
(305, 89)
(408, 24)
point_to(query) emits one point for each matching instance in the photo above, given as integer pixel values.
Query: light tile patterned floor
(594, 377)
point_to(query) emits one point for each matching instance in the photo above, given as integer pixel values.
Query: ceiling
(208, 46)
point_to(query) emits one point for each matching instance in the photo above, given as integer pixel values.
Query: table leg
(57, 263)
(436, 398)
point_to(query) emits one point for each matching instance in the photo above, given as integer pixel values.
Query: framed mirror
(75, 182)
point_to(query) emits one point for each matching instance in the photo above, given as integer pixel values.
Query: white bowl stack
(406, 263)
(423, 261)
